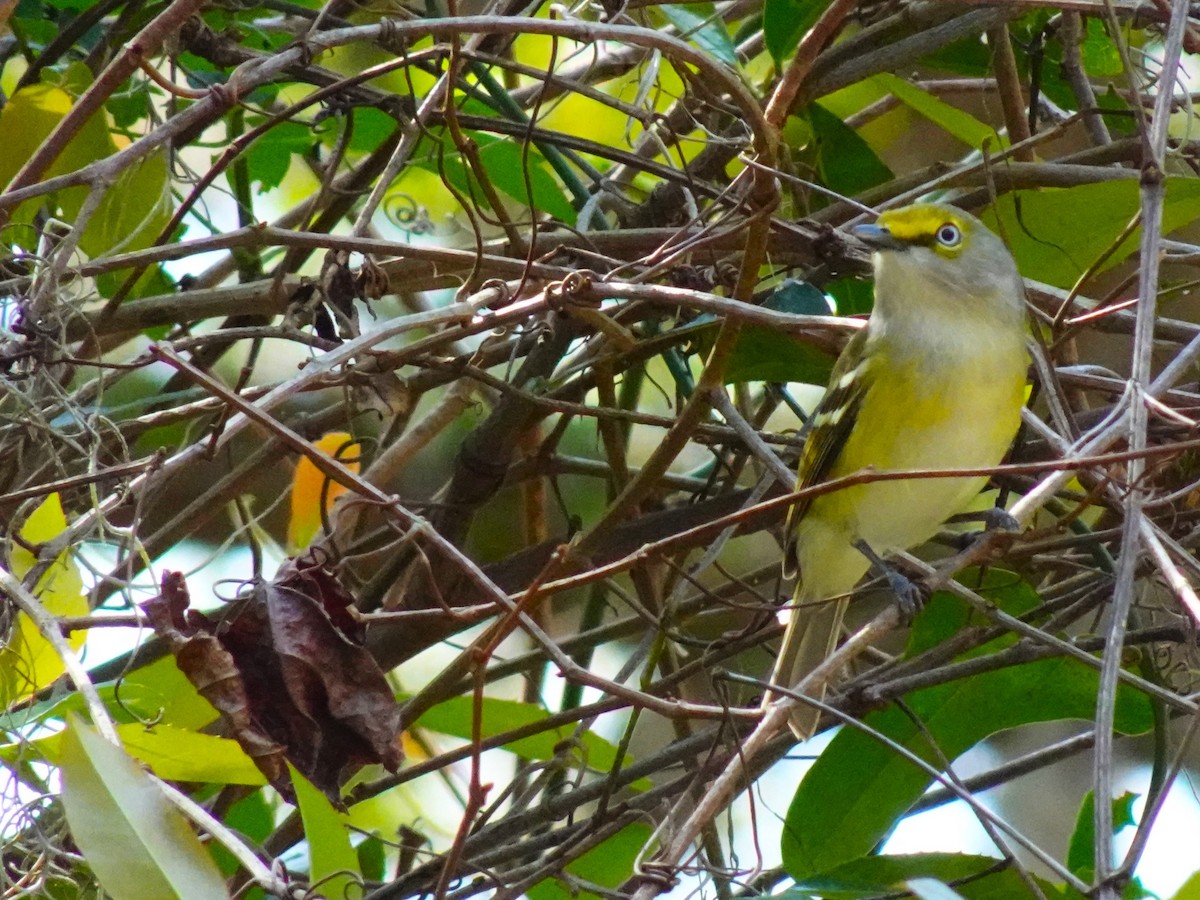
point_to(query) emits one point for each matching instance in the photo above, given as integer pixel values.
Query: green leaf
(160, 691)
(785, 22)
(253, 819)
(133, 212)
(1055, 246)
(1081, 855)
(454, 718)
(1118, 115)
(969, 57)
(372, 858)
(847, 164)
(1189, 890)
(371, 128)
(699, 23)
(130, 105)
(799, 298)
(137, 843)
(333, 864)
(859, 788)
(1099, 53)
(853, 296)
(950, 119)
(29, 662)
(945, 614)
(269, 157)
(974, 877)
(174, 754)
(769, 354)
(507, 165)
(607, 865)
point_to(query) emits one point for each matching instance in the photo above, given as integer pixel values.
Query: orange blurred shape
(310, 486)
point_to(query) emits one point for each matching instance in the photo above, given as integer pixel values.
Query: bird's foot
(910, 594)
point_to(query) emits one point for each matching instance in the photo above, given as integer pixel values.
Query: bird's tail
(811, 636)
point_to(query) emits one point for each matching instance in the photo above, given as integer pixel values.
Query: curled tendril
(574, 289)
(406, 214)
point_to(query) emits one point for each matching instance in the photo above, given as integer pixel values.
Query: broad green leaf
(974, 877)
(251, 817)
(858, 788)
(1081, 854)
(1189, 890)
(174, 754)
(785, 22)
(28, 662)
(131, 104)
(269, 157)
(153, 282)
(28, 118)
(333, 864)
(853, 296)
(847, 164)
(454, 718)
(1118, 115)
(371, 128)
(798, 298)
(1056, 248)
(769, 354)
(160, 691)
(1099, 53)
(508, 166)
(700, 24)
(137, 843)
(134, 210)
(970, 57)
(606, 865)
(945, 614)
(372, 858)
(155, 692)
(950, 119)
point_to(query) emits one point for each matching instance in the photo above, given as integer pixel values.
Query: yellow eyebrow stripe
(917, 223)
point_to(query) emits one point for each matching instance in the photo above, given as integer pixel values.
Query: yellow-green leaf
(137, 843)
(29, 662)
(950, 119)
(333, 864)
(176, 754)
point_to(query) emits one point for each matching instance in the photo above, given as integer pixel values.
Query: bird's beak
(877, 237)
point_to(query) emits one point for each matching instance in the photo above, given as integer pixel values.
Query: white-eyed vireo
(935, 380)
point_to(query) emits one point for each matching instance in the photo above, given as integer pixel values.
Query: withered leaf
(213, 671)
(289, 673)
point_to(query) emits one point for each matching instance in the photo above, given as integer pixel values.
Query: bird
(935, 380)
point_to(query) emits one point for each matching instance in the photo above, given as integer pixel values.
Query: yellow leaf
(173, 754)
(29, 663)
(134, 209)
(309, 485)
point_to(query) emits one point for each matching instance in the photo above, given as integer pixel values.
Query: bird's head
(934, 252)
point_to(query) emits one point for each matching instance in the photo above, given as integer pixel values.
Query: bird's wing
(829, 428)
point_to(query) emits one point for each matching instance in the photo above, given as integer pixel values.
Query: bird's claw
(910, 595)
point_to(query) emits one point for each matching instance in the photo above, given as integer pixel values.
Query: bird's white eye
(949, 235)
